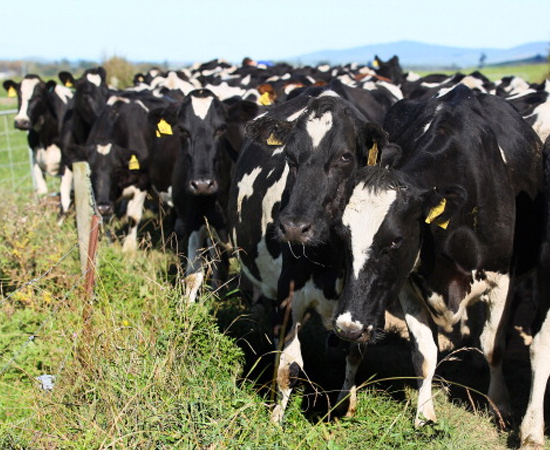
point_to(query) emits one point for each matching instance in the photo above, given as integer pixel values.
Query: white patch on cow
(201, 106)
(433, 85)
(104, 149)
(27, 89)
(49, 159)
(329, 93)
(364, 215)
(473, 83)
(345, 322)
(65, 189)
(317, 127)
(64, 93)
(94, 79)
(166, 196)
(294, 116)
(39, 181)
(134, 210)
(542, 121)
(142, 105)
(395, 90)
(115, 98)
(245, 188)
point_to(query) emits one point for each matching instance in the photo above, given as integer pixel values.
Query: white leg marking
(65, 189)
(134, 211)
(38, 175)
(424, 349)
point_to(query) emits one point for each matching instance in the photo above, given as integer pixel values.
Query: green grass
(149, 371)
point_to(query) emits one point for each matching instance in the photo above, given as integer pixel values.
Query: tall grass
(154, 372)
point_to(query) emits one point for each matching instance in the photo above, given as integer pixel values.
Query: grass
(149, 371)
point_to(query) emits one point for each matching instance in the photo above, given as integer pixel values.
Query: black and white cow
(291, 184)
(89, 99)
(453, 220)
(41, 108)
(118, 150)
(207, 135)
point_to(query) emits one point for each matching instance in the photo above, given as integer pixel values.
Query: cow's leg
(424, 352)
(288, 370)
(492, 341)
(194, 273)
(65, 189)
(349, 389)
(134, 213)
(532, 426)
(39, 180)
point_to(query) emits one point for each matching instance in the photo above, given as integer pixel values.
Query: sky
(201, 30)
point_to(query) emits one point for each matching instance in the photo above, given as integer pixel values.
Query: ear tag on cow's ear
(133, 164)
(373, 155)
(163, 127)
(272, 140)
(68, 84)
(435, 212)
(12, 92)
(265, 99)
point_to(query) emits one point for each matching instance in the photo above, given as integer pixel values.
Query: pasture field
(149, 371)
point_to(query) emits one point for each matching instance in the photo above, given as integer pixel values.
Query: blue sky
(200, 30)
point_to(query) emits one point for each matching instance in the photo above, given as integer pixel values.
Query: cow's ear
(11, 87)
(269, 131)
(102, 73)
(240, 110)
(372, 139)
(66, 79)
(50, 85)
(163, 119)
(267, 93)
(390, 155)
(440, 204)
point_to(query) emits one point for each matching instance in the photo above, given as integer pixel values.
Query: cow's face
(323, 149)
(382, 229)
(32, 101)
(91, 92)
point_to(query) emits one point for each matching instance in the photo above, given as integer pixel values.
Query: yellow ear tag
(435, 212)
(133, 164)
(265, 99)
(68, 83)
(272, 140)
(373, 155)
(12, 92)
(375, 64)
(163, 127)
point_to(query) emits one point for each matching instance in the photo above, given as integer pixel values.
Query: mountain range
(416, 55)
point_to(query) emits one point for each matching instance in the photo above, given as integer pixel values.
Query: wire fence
(15, 166)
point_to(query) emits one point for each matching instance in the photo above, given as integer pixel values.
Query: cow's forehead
(94, 79)
(201, 105)
(27, 87)
(363, 216)
(318, 126)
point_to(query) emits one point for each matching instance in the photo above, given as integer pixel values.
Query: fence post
(84, 205)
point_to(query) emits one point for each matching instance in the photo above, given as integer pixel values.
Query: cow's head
(91, 92)
(383, 226)
(209, 134)
(323, 146)
(32, 100)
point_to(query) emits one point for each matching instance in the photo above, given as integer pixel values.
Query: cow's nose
(352, 331)
(298, 232)
(22, 124)
(203, 187)
(105, 209)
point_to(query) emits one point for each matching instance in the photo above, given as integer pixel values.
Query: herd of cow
(341, 189)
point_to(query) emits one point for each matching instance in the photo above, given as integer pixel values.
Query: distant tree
(482, 59)
(120, 72)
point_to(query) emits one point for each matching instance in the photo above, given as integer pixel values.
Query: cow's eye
(184, 134)
(220, 131)
(396, 243)
(347, 157)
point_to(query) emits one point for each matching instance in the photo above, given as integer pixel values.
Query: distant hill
(416, 54)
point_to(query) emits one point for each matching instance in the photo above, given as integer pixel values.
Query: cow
(90, 96)
(41, 108)
(304, 151)
(451, 218)
(207, 135)
(118, 151)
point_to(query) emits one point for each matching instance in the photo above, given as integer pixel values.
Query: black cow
(452, 221)
(90, 95)
(118, 152)
(41, 108)
(205, 135)
(291, 184)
